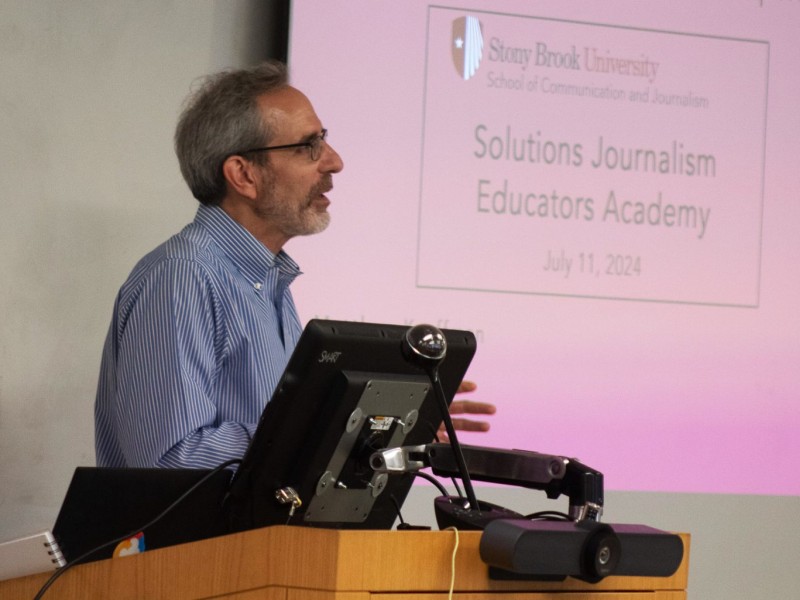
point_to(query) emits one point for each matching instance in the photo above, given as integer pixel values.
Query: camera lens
(601, 552)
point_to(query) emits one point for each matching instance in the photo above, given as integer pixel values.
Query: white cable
(453, 565)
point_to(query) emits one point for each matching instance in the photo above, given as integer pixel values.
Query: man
(205, 324)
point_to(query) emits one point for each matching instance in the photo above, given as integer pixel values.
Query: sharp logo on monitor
(467, 46)
(329, 357)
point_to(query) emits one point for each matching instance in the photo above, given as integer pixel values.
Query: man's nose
(330, 161)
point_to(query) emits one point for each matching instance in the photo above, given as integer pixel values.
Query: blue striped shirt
(201, 332)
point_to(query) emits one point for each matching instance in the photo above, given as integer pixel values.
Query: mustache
(325, 185)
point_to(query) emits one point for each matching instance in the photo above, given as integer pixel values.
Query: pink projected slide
(605, 193)
(593, 157)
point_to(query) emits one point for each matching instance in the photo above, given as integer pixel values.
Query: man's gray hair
(221, 118)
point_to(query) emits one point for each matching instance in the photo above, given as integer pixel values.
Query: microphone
(426, 347)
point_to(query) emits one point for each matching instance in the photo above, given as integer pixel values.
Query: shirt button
(257, 285)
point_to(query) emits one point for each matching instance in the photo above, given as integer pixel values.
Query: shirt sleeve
(170, 344)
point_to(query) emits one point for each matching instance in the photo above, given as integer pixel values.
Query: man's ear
(241, 176)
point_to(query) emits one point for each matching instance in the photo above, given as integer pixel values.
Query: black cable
(458, 487)
(459, 491)
(434, 481)
(397, 509)
(548, 515)
(458, 454)
(130, 534)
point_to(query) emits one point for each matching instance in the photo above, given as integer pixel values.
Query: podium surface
(292, 563)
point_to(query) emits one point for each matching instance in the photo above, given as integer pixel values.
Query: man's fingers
(469, 407)
(466, 386)
(472, 407)
(470, 425)
(467, 425)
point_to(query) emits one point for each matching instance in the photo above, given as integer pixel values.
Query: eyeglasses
(314, 146)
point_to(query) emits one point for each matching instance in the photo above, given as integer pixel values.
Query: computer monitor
(346, 392)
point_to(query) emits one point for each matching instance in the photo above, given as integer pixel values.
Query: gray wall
(89, 95)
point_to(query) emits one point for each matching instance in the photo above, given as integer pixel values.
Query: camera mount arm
(555, 475)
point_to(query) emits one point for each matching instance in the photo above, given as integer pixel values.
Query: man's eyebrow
(313, 135)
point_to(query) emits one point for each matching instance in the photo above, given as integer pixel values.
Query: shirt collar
(252, 258)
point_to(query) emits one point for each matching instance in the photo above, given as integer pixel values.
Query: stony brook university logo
(467, 46)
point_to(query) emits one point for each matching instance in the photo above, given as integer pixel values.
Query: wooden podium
(293, 563)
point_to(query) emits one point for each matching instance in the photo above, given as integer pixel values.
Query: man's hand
(468, 407)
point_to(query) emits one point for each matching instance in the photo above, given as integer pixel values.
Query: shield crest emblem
(467, 46)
